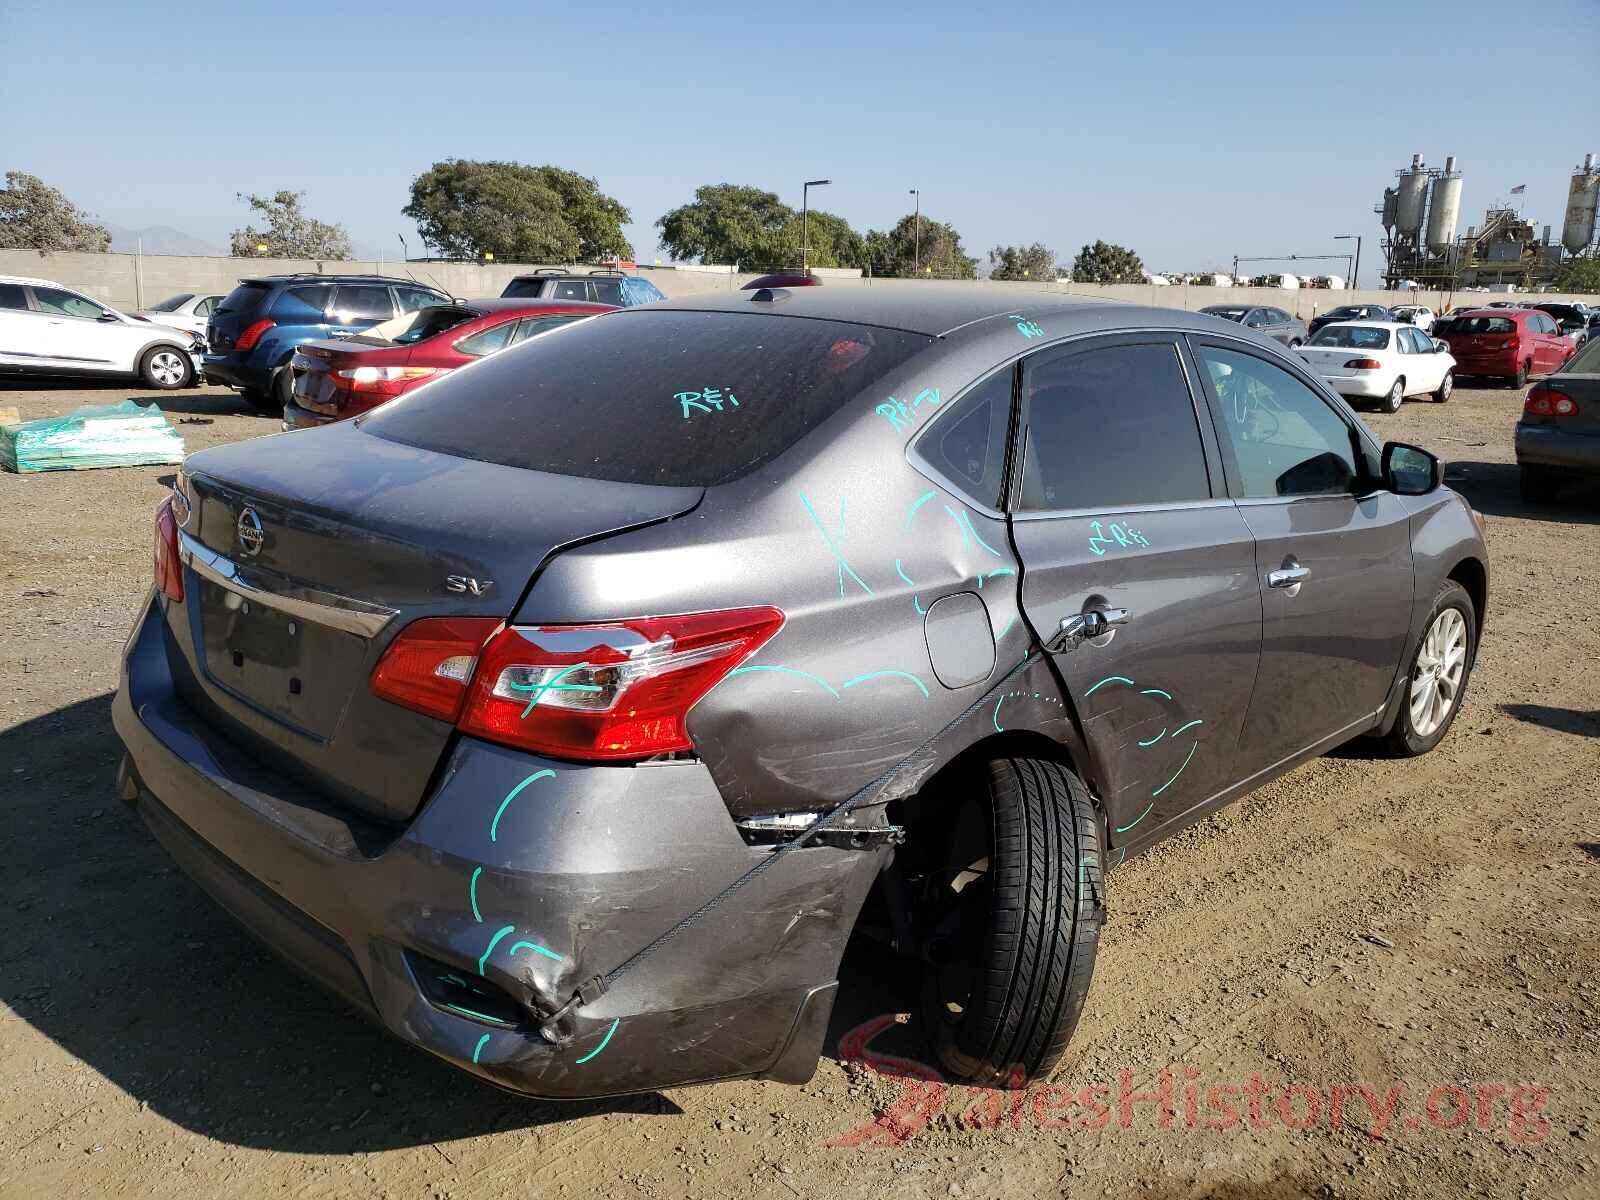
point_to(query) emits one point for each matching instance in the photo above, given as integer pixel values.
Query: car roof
(26, 279)
(927, 308)
(579, 273)
(314, 277)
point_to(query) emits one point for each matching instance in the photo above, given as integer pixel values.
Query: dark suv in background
(604, 285)
(253, 333)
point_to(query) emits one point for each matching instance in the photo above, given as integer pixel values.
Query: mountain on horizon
(158, 239)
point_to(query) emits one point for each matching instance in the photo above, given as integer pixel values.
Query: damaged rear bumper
(519, 880)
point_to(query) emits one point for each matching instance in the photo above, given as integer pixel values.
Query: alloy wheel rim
(1440, 667)
(1449, 384)
(166, 368)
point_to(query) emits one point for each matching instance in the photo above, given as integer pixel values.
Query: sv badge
(467, 584)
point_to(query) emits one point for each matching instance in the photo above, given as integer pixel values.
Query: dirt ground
(1425, 926)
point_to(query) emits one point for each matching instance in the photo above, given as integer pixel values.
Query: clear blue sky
(1189, 132)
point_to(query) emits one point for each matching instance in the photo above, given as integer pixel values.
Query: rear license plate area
(294, 670)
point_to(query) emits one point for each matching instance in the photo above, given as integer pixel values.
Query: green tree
(732, 223)
(35, 216)
(290, 233)
(518, 213)
(1105, 263)
(934, 253)
(1580, 275)
(1035, 262)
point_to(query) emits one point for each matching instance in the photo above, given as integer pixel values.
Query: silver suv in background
(1263, 319)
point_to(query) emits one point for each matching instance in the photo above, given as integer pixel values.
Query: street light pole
(805, 213)
(916, 244)
(1355, 272)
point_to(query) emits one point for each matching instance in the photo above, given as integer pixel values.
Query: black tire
(1446, 387)
(165, 368)
(1521, 379)
(1539, 485)
(1403, 741)
(1396, 397)
(1035, 924)
(275, 397)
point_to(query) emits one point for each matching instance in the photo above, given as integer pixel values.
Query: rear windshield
(522, 288)
(682, 398)
(171, 303)
(245, 299)
(1586, 361)
(1469, 325)
(412, 327)
(1354, 337)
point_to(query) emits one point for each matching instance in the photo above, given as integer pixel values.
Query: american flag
(1519, 189)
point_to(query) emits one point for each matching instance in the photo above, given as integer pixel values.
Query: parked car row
(47, 329)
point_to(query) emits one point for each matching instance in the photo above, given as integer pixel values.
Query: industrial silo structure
(1411, 199)
(1577, 230)
(1444, 208)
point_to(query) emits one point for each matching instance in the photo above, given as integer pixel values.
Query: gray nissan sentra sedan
(570, 714)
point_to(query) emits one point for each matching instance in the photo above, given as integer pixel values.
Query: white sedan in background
(183, 311)
(1381, 362)
(1419, 315)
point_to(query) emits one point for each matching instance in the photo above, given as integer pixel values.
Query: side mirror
(1410, 470)
(1440, 345)
(108, 317)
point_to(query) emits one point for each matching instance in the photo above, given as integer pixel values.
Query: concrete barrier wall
(131, 281)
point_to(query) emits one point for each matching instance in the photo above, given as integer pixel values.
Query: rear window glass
(1472, 325)
(1585, 361)
(171, 303)
(244, 299)
(662, 397)
(1357, 337)
(1231, 314)
(523, 288)
(412, 327)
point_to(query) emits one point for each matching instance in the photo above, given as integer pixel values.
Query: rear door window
(570, 289)
(304, 304)
(1110, 427)
(487, 341)
(651, 395)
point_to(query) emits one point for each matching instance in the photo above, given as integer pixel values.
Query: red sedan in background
(333, 380)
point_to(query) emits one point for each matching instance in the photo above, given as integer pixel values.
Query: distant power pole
(916, 243)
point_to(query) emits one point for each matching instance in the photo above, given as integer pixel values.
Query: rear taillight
(1363, 364)
(428, 667)
(611, 691)
(1547, 401)
(168, 568)
(384, 381)
(252, 334)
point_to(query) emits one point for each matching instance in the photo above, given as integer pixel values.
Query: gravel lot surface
(1412, 927)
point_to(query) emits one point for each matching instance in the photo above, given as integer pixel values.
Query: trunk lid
(1330, 362)
(314, 379)
(354, 538)
(241, 307)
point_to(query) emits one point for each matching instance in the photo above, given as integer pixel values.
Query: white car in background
(183, 311)
(46, 329)
(1380, 362)
(1419, 315)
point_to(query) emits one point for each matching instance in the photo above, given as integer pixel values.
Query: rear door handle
(1289, 576)
(1084, 626)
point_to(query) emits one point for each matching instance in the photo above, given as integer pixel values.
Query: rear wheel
(1521, 379)
(1397, 394)
(1013, 920)
(166, 368)
(1437, 680)
(1539, 485)
(276, 395)
(1446, 386)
